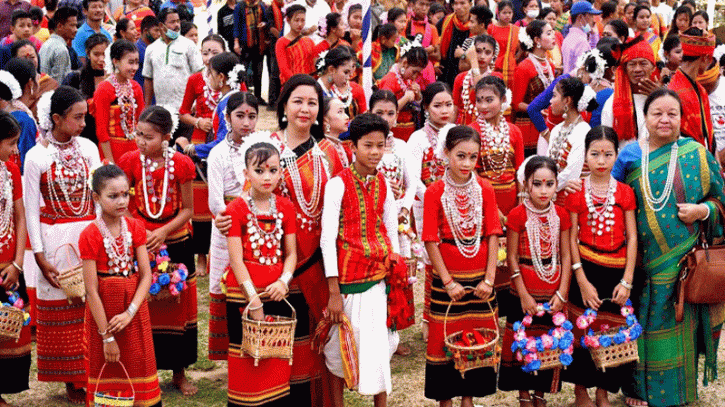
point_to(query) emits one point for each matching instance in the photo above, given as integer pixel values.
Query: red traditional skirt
(60, 342)
(218, 335)
(135, 343)
(200, 194)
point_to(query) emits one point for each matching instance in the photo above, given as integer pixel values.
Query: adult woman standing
(667, 215)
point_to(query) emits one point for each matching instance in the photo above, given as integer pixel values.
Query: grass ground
(408, 372)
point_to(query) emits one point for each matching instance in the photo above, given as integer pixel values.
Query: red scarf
(622, 104)
(278, 17)
(447, 31)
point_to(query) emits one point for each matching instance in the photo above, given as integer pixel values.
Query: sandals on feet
(523, 400)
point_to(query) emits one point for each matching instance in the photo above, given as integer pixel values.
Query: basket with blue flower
(168, 279)
(611, 347)
(12, 316)
(549, 351)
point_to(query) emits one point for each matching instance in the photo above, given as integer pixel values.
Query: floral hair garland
(322, 26)
(719, 52)
(405, 48)
(9, 80)
(600, 63)
(525, 39)
(602, 340)
(586, 98)
(45, 123)
(506, 104)
(255, 138)
(233, 78)
(320, 63)
(527, 348)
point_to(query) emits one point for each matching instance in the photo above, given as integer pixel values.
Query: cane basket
(614, 355)
(71, 279)
(412, 265)
(467, 358)
(273, 338)
(11, 322)
(108, 400)
(550, 359)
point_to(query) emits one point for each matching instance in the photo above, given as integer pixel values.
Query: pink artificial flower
(528, 319)
(582, 322)
(154, 278)
(547, 341)
(540, 311)
(531, 345)
(173, 290)
(19, 303)
(625, 311)
(627, 337)
(558, 332)
(175, 277)
(604, 327)
(184, 285)
(530, 357)
(559, 318)
(519, 357)
(569, 350)
(595, 342)
(588, 341)
(519, 335)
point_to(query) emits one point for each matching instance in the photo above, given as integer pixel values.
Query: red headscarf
(622, 104)
(696, 46)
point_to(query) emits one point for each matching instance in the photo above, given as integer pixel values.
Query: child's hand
(277, 290)
(456, 292)
(205, 125)
(49, 272)
(620, 295)
(9, 277)
(483, 291)
(223, 222)
(573, 186)
(154, 239)
(528, 304)
(111, 352)
(334, 308)
(257, 314)
(409, 96)
(118, 322)
(556, 304)
(590, 296)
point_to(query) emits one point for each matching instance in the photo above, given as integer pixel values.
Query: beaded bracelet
(256, 308)
(109, 339)
(17, 266)
(576, 266)
(132, 309)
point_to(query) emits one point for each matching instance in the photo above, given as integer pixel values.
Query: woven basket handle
(468, 289)
(245, 313)
(67, 253)
(128, 378)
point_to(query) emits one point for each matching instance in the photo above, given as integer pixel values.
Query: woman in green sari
(673, 180)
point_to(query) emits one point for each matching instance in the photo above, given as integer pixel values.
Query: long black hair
(87, 75)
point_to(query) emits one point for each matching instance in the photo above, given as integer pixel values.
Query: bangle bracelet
(286, 278)
(20, 269)
(109, 339)
(516, 274)
(249, 289)
(488, 283)
(255, 308)
(561, 297)
(132, 309)
(625, 284)
(576, 266)
(445, 284)
(102, 333)
(707, 215)
(450, 285)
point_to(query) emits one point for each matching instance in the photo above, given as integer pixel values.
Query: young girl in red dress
(161, 180)
(507, 37)
(502, 148)
(603, 252)
(294, 51)
(538, 249)
(14, 355)
(464, 87)
(262, 258)
(460, 231)
(401, 80)
(118, 328)
(335, 69)
(332, 32)
(118, 103)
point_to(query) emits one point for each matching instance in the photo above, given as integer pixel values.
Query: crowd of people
(538, 162)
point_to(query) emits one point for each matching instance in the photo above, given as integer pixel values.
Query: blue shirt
(542, 102)
(84, 32)
(169, 3)
(202, 150)
(141, 45)
(602, 97)
(627, 156)
(28, 132)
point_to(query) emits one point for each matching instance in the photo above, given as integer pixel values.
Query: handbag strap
(706, 229)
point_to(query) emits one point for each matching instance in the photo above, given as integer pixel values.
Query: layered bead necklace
(148, 166)
(340, 151)
(544, 72)
(119, 253)
(237, 161)
(558, 142)
(404, 85)
(463, 207)
(657, 204)
(391, 165)
(468, 107)
(437, 166)
(543, 240)
(211, 97)
(265, 244)
(70, 174)
(600, 206)
(6, 200)
(345, 97)
(311, 209)
(126, 104)
(496, 145)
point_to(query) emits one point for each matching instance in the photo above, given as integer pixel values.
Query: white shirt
(418, 144)
(401, 152)
(665, 11)
(37, 162)
(717, 110)
(170, 67)
(313, 15)
(224, 176)
(608, 116)
(331, 210)
(575, 158)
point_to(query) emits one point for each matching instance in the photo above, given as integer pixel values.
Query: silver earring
(566, 112)
(427, 115)
(284, 118)
(327, 128)
(165, 144)
(317, 123)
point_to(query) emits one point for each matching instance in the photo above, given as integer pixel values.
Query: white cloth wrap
(55, 236)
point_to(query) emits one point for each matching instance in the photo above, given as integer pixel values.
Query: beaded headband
(258, 137)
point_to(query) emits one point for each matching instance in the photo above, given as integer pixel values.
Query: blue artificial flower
(164, 279)
(590, 332)
(524, 352)
(547, 307)
(564, 343)
(565, 359)
(535, 365)
(568, 336)
(517, 326)
(619, 338)
(631, 320)
(583, 342)
(180, 286)
(554, 342)
(27, 321)
(605, 341)
(522, 344)
(539, 345)
(635, 331)
(567, 325)
(152, 264)
(163, 253)
(628, 303)
(183, 273)
(154, 289)
(514, 346)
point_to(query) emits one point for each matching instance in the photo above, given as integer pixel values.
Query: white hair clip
(524, 38)
(255, 138)
(45, 122)
(9, 80)
(719, 52)
(233, 78)
(405, 48)
(506, 104)
(320, 64)
(586, 98)
(442, 136)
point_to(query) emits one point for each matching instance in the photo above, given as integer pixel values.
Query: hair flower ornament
(405, 48)
(257, 137)
(524, 38)
(234, 78)
(9, 80)
(322, 26)
(586, 99)
(719, 52)
(43, 108)
(506, 103)
(442, 136)
(320, 63)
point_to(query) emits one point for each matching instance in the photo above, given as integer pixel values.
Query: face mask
(532, 13)
(172, 34)
(586, 28)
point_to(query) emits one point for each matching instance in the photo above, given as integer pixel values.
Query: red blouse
(195, 94)
(90, 244)
(7, 250)
(183, 172)
(296, 58)
(610, 248)
(262, 274)
(405, 126)
(107, 113)
(523, 90)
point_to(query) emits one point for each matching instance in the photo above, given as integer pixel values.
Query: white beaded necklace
(127, 105)
(345, 97)
(556, 147)
(148, 185)
(235, 156)
(547, 76)
(600, 219)
(261, 238)
(540, 235)
(71, 175)
(6, 214)
(312, 208)
(463, 207)
(404, 85)
(468, 107)
(212, 97)
(119, 255)
(496, 145)
(657, 204)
